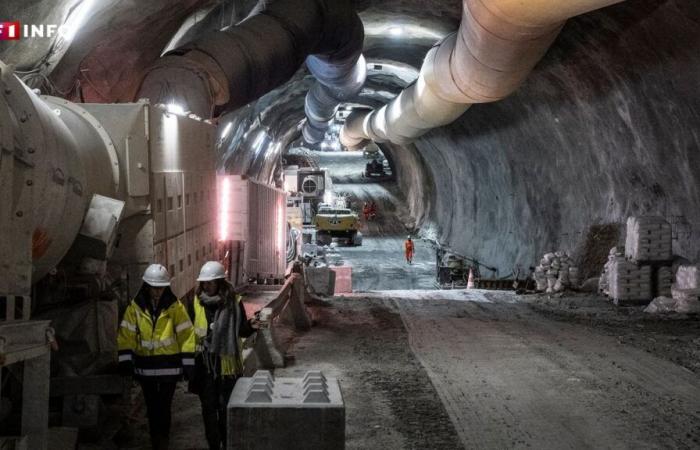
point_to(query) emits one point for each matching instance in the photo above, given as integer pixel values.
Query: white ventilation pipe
(497, 45)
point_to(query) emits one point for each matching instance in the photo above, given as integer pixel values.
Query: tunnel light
(174, 108)
(170, 130)
(405, 31)
(259, 142)
(227, 130)
(224, 208)
(281, 224)
(395, 31)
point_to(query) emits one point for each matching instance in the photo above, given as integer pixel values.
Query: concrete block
(343, 279)
(321, 280)
(289, 413)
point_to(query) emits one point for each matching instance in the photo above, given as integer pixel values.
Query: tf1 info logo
(13, 31)
(10, 31)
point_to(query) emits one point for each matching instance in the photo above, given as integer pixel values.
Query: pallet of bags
(648, 239)
(629, 282)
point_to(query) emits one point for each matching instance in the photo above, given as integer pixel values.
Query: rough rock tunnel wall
(608, 125)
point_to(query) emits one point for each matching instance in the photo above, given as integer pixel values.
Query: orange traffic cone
(470, 280)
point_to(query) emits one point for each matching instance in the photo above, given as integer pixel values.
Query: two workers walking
(160, 341)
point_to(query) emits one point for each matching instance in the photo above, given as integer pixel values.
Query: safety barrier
(288, 303)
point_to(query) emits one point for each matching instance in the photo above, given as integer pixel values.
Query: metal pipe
(229, 68)
(497, 45)
(336, 81)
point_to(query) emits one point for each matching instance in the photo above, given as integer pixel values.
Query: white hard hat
(409, 237)
(156, 276)
(211, 270)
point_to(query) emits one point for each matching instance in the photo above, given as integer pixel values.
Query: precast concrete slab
(289, 413)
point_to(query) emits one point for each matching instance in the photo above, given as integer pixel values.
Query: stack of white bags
(556, 272)
(648, 239)
(628, 281)
(647, 254)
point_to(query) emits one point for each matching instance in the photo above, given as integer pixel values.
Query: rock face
(605, 127)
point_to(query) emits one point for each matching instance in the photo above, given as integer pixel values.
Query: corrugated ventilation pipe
(230, 68)
(336, 81)
(497, 45)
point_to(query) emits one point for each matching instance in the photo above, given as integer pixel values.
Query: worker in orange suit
(372, 211)
(408, 247)
(366, 211)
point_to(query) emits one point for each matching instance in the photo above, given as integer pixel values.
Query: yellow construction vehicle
(339, 223)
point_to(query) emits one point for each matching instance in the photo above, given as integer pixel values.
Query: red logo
(9, 31)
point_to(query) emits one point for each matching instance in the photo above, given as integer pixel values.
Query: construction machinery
(340, 223)
(374, 169)
(453, 273)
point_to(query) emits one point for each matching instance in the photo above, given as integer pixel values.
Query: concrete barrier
(343, 279)
(265, 413)
(321, 280)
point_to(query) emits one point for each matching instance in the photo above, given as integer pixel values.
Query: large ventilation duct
(497, 45)
(230, 68)
(337, 81)
(55, 156)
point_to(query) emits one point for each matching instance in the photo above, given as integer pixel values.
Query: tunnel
(540, 159)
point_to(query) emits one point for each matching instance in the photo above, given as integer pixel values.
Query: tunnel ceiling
(604, 127)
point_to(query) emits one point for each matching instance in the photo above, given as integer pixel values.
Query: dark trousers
(214, 394)
(159, 399)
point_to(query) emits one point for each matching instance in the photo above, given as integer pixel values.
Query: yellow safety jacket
(230, 366)
(160, 349)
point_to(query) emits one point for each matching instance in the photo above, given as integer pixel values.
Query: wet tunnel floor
(379, 263)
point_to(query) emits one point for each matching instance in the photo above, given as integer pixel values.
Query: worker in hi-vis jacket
(156, 346)
(220, 323)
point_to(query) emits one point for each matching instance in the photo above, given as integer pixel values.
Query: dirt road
(506, 376)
